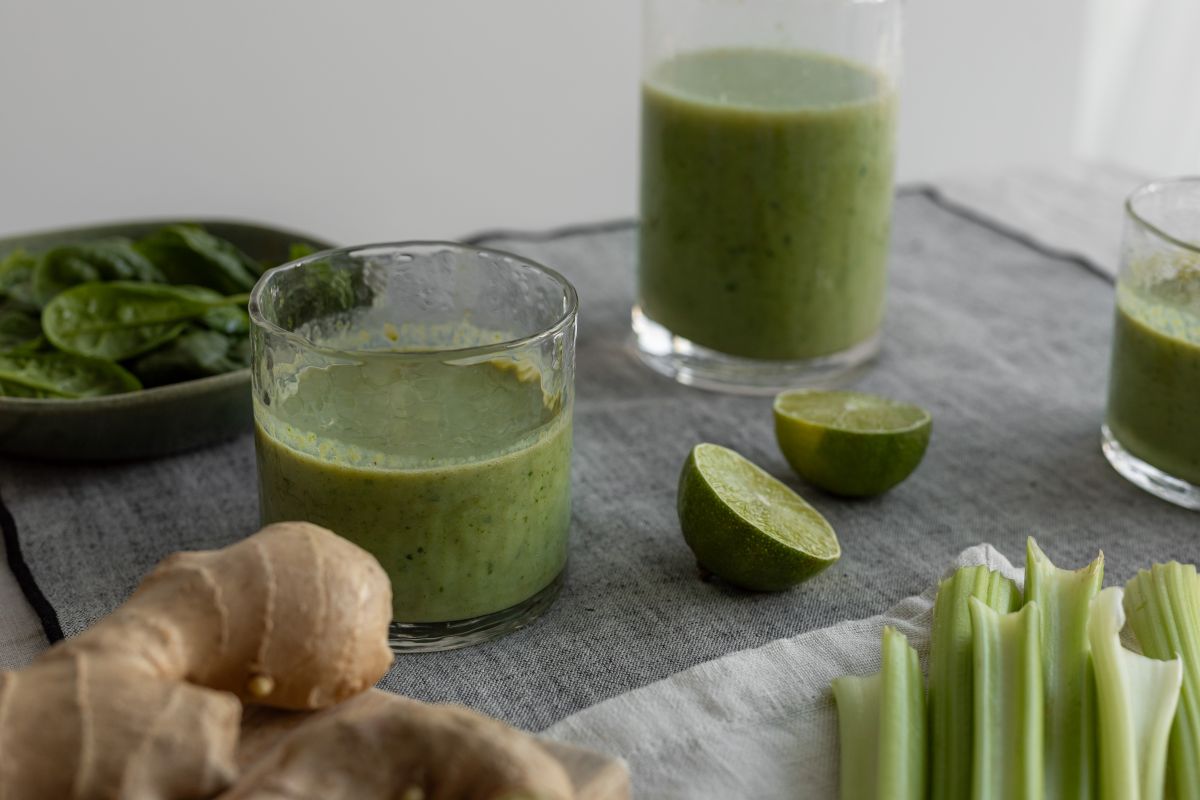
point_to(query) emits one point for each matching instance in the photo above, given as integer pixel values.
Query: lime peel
(850, 443)
(748, 527)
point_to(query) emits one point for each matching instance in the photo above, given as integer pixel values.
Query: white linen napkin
(758, 723)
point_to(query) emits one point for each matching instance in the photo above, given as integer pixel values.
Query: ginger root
(292, 617)
(380, 746)
(147, 704)
(80, 728)
(144, 705)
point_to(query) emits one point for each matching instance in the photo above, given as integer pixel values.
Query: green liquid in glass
(766, 201)
(1154, 384)
(456, 477)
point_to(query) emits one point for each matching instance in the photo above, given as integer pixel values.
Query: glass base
(694, 365)
(430, 637)
(1147, 476)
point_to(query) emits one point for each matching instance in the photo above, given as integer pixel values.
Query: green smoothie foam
(766, 201)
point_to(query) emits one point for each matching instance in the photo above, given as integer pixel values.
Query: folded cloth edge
(664, 728)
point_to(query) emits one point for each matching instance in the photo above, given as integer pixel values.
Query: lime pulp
(746, 526)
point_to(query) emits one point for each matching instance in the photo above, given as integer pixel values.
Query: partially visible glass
(768, 144)
(416, 398)
(1151, 433)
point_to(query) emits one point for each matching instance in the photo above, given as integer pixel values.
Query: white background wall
(371, 119)
(1140, 97)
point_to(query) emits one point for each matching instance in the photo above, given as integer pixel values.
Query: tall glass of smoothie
(416, 398)
(768, 140)
(1151, 433)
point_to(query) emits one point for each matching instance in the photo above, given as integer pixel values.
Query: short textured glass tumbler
(767, 150)
(1151, 433)
(416, 398)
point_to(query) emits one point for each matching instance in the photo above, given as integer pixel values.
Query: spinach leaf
(299, 250)
(61, 375)
(198, 353)
(16, 267)
(203, 295)
(241, 352)
(187, 254)
(120, 320)
(20, 331)
(230, 320)
(102, 260)
(323, 289)
(16, 279)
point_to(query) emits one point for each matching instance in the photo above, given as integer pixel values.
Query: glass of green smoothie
(1151, 433)
(767, 150)
(416, 398)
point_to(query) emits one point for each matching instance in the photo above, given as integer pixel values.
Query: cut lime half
(851, 443)
(746, 526)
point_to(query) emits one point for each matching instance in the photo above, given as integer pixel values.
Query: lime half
(851, 443)
(746, 526)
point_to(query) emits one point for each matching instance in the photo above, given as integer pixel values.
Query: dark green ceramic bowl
(151, 422)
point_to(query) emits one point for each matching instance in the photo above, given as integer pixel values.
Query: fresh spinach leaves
(113, 259)
(191, 255)
(114, 315)
(20, 331)
(197, 353)
(230, 320)
(61, 375)
(122, 319)
(299, 250)
(16, 280)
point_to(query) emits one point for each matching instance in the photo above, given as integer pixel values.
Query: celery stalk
(1009, 716)
(857, 699)
(1064, 597)
(902, 725)
(1163, 604)
(881, 720)
(951, 675)
(1136, 699)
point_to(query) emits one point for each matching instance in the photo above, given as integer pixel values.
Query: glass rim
(570, 295)
(1154, 187)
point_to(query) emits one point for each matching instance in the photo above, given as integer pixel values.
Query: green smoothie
(455, 476)
(1154, 384)
(766, 201)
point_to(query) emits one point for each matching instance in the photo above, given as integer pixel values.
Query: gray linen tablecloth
(1005, 344)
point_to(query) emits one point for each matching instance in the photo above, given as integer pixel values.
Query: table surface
(1026, 222)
